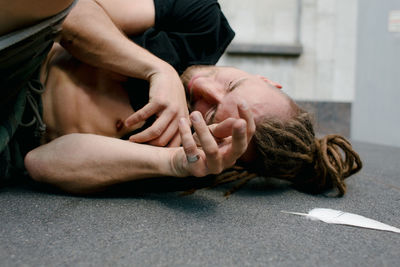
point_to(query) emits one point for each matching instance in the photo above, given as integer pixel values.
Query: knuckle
(242, 123)
(172, 110)
(199, 172)
(162, 142)
(161, 102)
(217, 170)
(213, 152)
(157, 142)
(240, 151)
(190, 150)
(175, 109)
(142, 115)
(156, 132)
(252, 130)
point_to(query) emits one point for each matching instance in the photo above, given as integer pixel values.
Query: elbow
(41, 171)
(35, 167)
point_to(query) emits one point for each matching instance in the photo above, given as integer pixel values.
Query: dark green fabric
(18, 68)
(17, 140)
(9, 153)
(21, 55)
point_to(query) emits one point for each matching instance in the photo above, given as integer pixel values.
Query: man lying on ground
(95, 33)
(83, 99)
(26, 34)
(283, 146)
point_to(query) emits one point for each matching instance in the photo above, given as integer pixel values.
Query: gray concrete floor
(144, 226)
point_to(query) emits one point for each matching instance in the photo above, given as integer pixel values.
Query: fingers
(167, 134)
(246, 114)
(225, 128)
(213, 157)
(142, 114)
(155, 130)
(208, 143)
(176, 140)
(188, 144)
(239, 139)
(222, 129)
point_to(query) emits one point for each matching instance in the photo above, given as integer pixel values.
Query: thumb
(222, 129)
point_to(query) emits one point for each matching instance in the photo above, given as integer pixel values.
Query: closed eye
(231, 86)
(236, 84)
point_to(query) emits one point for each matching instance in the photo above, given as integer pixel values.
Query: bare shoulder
(21, 13)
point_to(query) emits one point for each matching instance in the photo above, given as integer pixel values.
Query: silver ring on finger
(193, 159)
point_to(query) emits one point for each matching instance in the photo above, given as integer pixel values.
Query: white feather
(346, 218)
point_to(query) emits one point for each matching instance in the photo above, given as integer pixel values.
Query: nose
(208, 90)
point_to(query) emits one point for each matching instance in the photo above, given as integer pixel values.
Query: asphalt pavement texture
(150, 224)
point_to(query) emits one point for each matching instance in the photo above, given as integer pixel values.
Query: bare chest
(85, 100)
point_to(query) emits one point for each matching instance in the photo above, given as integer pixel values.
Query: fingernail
(243, 105)
(195, 117)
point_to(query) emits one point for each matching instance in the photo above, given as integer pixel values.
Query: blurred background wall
(311, 47)
(376, 107)
(327, 33)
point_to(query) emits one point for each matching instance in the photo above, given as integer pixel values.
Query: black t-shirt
(186, 32)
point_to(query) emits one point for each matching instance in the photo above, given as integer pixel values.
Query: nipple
(119, 125)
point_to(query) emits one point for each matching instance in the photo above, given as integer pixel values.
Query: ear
(265, 79)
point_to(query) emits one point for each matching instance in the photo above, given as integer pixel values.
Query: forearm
(95, 35)
(82, 163)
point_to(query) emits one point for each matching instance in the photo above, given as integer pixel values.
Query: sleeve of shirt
(187, 32)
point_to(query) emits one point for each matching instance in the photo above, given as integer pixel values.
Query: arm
(93, 34)
(185, 33)
(84, 163)
(181, 32)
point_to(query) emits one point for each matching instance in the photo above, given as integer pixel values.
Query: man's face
(216, 92)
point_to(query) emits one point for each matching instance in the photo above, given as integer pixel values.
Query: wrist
(160, 67)
(176, 161)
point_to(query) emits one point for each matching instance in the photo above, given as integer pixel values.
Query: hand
(221, 145)
(223, 130)
(168, 102)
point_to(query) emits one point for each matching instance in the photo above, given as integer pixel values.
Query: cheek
(202, 107)
(226, 111)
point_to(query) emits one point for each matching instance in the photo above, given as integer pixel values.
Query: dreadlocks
(289, 150)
